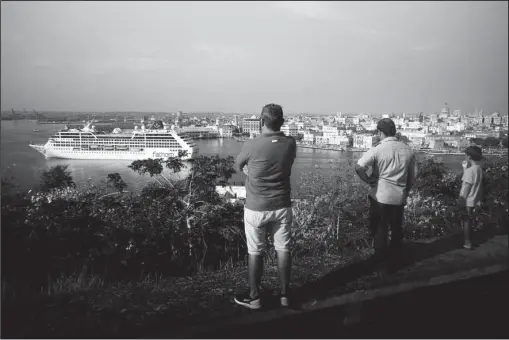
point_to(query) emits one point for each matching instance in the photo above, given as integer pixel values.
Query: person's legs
(255, 236)
(396, 224)
(381, 233)
(467, 228)
(282, 240)
(255, 270)
(374, 216)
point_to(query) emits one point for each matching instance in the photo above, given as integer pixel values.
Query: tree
(194, 193)
(491, 142)
(477, 141)
(117, 182)
(56, 177)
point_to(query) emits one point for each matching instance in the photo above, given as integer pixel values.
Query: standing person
(374, 214)
(395, 165)
(269, 159)
(471, 189)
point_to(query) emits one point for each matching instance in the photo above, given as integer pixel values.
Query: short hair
(474, 152)
(272, 116)
(387, 126)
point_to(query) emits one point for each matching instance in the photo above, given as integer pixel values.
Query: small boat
(108, 147)
(121, 147)
(36, 130)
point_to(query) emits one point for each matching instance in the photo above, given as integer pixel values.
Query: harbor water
(25, 164)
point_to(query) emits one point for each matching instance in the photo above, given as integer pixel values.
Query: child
(471, 189)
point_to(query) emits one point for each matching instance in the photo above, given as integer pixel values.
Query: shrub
(56, 177)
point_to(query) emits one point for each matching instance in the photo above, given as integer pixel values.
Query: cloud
(311, 9)
(424, 47)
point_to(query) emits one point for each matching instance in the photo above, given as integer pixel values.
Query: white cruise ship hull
(70, 153)
(137, 144)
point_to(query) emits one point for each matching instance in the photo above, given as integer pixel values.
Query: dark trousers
(381, 217)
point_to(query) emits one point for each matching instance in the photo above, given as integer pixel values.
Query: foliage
(171, 227)
(176, 227)
(56, 177)
(491, 142)
(117, 182)
(504, 142)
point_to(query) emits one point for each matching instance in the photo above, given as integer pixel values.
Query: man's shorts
(257, 223)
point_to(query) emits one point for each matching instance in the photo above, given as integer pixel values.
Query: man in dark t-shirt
(269, 159)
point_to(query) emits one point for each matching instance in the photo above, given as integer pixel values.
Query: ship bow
(40, 148)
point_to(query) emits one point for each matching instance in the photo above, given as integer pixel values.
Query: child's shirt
(473, 176)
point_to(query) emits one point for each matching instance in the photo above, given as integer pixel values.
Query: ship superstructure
(155, 141)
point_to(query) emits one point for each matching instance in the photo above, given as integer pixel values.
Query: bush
(180, 227)
(56, 177)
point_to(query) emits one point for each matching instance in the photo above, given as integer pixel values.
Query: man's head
(386, 128)
(473, 154)
(272, 117)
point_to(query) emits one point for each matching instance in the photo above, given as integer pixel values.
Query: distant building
(363, 141)
(226, 131)
(436, 144)
(445, 112)
(252, 125)
(290, 129)
(416, 137)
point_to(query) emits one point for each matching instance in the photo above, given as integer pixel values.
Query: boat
(157, 141)
(35, 130)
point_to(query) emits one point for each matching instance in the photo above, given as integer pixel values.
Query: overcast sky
(237, 56)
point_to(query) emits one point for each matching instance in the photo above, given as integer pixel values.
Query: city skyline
(310, 57)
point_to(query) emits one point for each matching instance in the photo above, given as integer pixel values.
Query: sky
(316, 57)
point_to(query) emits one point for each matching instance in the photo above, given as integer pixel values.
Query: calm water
(26, 164)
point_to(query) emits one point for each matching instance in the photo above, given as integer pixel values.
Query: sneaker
(247, 301)
(285, 302)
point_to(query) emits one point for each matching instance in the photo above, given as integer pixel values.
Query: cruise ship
(156, 140)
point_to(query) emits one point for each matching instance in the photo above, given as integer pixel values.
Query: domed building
(445, 112)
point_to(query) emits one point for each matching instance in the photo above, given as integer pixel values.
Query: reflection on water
(29, 164)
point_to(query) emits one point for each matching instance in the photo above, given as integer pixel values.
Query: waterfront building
(417, 138)
(226, 131)
(199, 132)
(363, 141)
(290, 129)
(319, 139)
(339, 140)
(436, 144)
(252, 125)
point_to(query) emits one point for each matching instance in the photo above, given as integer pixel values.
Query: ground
(178, 307)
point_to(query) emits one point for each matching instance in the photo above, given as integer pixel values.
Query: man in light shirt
(394, 170)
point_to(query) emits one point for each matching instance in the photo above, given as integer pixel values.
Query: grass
(81, 306)
(87, 307)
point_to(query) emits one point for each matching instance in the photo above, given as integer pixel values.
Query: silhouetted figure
(394, 170)
(267, 161)
(471, 189)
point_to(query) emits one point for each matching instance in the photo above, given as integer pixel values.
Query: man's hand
(372, 181)
(461, 203)
(245, 170)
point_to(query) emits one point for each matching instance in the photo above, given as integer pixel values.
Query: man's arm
(242, 158)
(466, 185)
(362, 165)
(412, 173)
